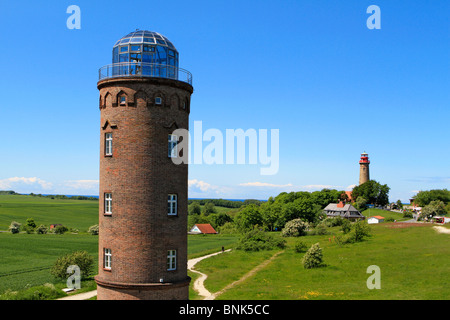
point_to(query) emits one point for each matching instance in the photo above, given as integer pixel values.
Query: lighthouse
(364, 168)
(144, 97)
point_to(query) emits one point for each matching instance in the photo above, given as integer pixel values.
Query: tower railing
(144, 69)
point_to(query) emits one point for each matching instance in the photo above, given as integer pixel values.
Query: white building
(375, 219)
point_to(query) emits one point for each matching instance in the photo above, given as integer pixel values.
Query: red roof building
(205, 228)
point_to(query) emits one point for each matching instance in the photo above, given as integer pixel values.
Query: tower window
(107, 257)
(172, 204)
(123, 100)
(172, 260)
(173, 140)
(158, 100)
(108, 203)
(108, 144)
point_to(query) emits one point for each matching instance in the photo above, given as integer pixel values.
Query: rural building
(375, 219)
(343, 210)
(202, 229)
(143, 98)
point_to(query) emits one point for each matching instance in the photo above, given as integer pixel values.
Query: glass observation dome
(145, 54)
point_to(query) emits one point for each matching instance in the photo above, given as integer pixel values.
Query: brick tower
(144, 97)
(364, 168)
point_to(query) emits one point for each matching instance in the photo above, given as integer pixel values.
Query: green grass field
(76, 214)
(414, 264)
(384, 213)
(414, 261)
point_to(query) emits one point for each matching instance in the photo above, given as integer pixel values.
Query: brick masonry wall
(140, 175)
(363, 173)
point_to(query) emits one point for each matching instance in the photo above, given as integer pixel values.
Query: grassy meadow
(76, 214)
(414, 264)
(414, 261)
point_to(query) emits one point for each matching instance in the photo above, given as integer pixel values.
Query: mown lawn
(414, 264)
(384, 213)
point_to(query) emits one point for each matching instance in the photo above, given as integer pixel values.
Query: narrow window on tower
(108, 203)
(107, 258)
(172, 204)
(171, 260)
(108, 144)
(123, 100)
(158, 100)
(173, 140)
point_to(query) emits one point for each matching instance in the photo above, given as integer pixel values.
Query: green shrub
(295, 228)
(313, 258)
(333, 222)
(41, 229)
(319, 230)
(15, 227)
(361, 230)
(407, 214)
(29, 226)
(93, 230)
(346, 226)
(257, 240)
(44, 292)
(60, 229)
(79, 258)
(300, 247)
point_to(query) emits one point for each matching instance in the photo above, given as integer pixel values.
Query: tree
(424, 198)
(295, 228)
(15, 227)
(248, 217)
(41, 229)
(360, 203)
(257, 240)
(219, 219)
(79, 258)
(434, 208)
(29, 226)
(93, 230)
(209, 208)
(399, 205)
(373, 192)
(313, 258)
(361, 230)
(60, 229)
(195, 208)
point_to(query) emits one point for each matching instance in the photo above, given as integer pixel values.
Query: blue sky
(311, 69)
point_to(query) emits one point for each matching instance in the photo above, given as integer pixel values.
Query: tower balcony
(145, 70)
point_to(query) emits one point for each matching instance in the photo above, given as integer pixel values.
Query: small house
(203, 228)
(375, 219)
(343, 210)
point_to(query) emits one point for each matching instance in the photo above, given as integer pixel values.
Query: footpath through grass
(414, 264)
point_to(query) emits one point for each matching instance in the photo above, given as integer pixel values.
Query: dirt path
(245, 277)
(441, 229)
(199, 283)
(81, 296)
